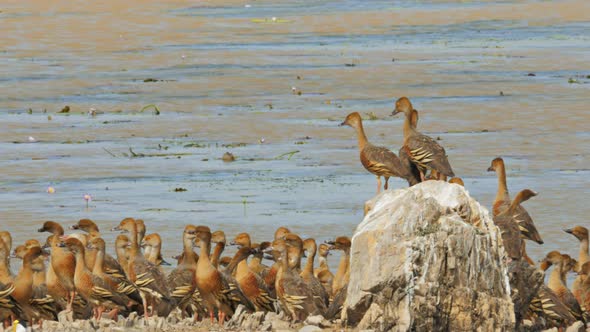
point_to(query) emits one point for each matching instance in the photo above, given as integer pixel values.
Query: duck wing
(425, 152)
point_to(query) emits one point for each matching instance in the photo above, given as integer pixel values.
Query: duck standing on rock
(423, 150)
(378, 160)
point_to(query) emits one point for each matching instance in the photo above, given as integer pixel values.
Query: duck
(558, 286)
(581, 233)
(502, 201)
(547, 304)
(121, 250)
(584, 275)
(62, 267)
(423, 150)
(379, 161)
(217, 237)
(342, 276)
(141, 230)
(213, 285)
(243, 240)
(505, 220)
(294, 296)
(147, 276)
(319, 293)
(23, 284)
(86, 225)
(269, 275)
(91, 287)
(9, 306)
(323, 273)
(249, 283)
(182, 280)
(154, 243)
(404, 157)
(127, 290)
(6, 246)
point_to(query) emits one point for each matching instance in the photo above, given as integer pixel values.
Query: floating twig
(290, 154)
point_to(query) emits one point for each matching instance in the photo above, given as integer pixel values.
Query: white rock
(426, 252)
(310, 328)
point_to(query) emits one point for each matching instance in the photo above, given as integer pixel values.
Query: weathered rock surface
(428, 258)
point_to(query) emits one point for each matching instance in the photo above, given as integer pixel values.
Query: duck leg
(378, 184)
(386, 181)
(221, 317)
(69, 306)
(212, 316)
(422, 177)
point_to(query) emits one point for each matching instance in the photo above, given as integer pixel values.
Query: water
(225, 75)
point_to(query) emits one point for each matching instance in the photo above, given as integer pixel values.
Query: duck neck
(189, 254)
(555, 282)
(309, 264)
(98, 267)
(408, 128)
(583, 256)
(205, 246)
(343, 268)
(80, 264)
(134, 247)
(256, 261)
(219, 247)
(502, 195)
(360, 134)
(154, 255)
(323, 262)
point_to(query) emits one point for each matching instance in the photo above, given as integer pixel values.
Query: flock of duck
(86, 281)
(78, 275)
(555, 303)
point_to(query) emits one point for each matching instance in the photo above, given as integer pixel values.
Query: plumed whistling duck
(250, 284)
(377, 160)
(505, 220)
(323, 272)
(154, 242)
(295, 297)
(340, 282)
(584, 274)
(182, 280)
(215, 290)
(91, 287)
(557, 285)
(118, 282)
(147, 276)
(63, 262)
(581, 233)
(86, 225)
(23, 284)
(319, 293)
(502, 202)
(424, 151)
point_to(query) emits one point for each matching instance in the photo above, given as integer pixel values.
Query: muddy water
(491, 78)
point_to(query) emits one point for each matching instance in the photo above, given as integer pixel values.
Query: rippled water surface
(270, 81)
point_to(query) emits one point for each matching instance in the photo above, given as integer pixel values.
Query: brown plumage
(62, 263)
(91, 287)
(323, 272)
(505, 220)
(182, 280)
(154, 243)
(458, 181)
(423, 150)
(218, 295)
(377, 160)
(548, 305)
(147, 276)
(217, 237)
(118, 282)
(557, 283)
(250, 284)
(502, 202)
(581, 233)
(86, 225)
(295, 297)
(319, 293)
(340, 282)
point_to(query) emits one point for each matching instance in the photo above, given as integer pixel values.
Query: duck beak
(165, 263)
(74, 227)
(41, 230)
(116, 228)
(344, 123)
(569, 230)
(491, 169)
(233, 243)
(395, 111)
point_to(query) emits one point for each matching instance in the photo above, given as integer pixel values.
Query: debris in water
(50, 190)
(228, 157)
(179, 189)
(66, 109)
